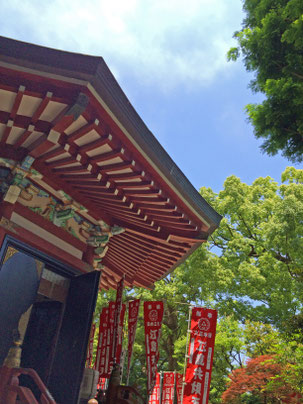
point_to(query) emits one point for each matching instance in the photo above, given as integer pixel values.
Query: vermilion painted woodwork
(160, 227)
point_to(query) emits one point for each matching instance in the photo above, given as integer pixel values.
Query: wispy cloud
(163, 42)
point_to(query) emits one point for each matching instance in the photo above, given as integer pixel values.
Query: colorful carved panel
(17, 184)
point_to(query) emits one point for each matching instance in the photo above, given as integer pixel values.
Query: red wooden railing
(10, 389)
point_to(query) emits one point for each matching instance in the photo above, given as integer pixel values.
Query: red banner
(102, 383)
(100, 363)
(104, 357)
(89, 357)
(153, 314)
(110, 338)
(118, 307)
(133, 311)
(168, 387)
(154, 398)
(120, 334)
(179, 384)
(200, 356)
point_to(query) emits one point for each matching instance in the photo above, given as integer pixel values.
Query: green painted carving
(62, 212)
(61, 216)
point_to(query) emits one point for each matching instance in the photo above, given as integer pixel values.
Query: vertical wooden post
(88, 255)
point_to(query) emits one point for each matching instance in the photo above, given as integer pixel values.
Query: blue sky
(169, 57)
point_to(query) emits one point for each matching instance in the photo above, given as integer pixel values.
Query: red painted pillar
(2, 235)
(88, 255)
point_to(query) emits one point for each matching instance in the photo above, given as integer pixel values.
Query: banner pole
(161, 387)
(127, 379)
(123, 354)
(175, 385)
(186, 350)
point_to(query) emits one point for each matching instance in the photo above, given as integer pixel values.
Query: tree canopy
(256, 268)
(271, 43)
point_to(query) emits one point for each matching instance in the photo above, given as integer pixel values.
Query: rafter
(82, 131)
(24, 136)
(17, 102)
(132, 221)
(107, 156)
(143, 192)
(121, 260)
(100, 201)
(116, 167)
(134, 185)
(88, 185)
(140, 239)
(7, 131)
(173, 223)
(41, 107)
(110, 260)
(102, 141)
(86, 176)
(126, 213)
(64, 161)
(52, 153)
(67, 170)
(127, 176)
(115, 271)
(166, 208)
(143, 251)
(150, 201)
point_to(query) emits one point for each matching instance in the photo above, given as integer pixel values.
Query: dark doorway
(40, 339)
(19, 282)
(58, 326)
(67, 370)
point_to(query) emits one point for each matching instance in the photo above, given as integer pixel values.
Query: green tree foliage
(271, 42)
(256, 268)
(229, 354)
(289, 354)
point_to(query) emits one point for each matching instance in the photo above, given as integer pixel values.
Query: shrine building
(87, 195)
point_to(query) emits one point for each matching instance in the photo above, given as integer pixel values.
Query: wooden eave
(68, 112)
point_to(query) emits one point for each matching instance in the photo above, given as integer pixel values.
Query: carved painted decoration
(17, 185)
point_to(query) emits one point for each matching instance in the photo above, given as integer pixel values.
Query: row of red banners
(110, 336)
(200, 350)
(109, 345)
(109, 351)
(171, 381)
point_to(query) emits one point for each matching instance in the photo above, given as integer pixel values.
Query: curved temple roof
(69, 114)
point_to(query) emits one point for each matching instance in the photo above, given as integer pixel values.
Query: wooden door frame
(52, 263)
(56, 266)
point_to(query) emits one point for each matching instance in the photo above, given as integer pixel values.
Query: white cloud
(162, 43)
